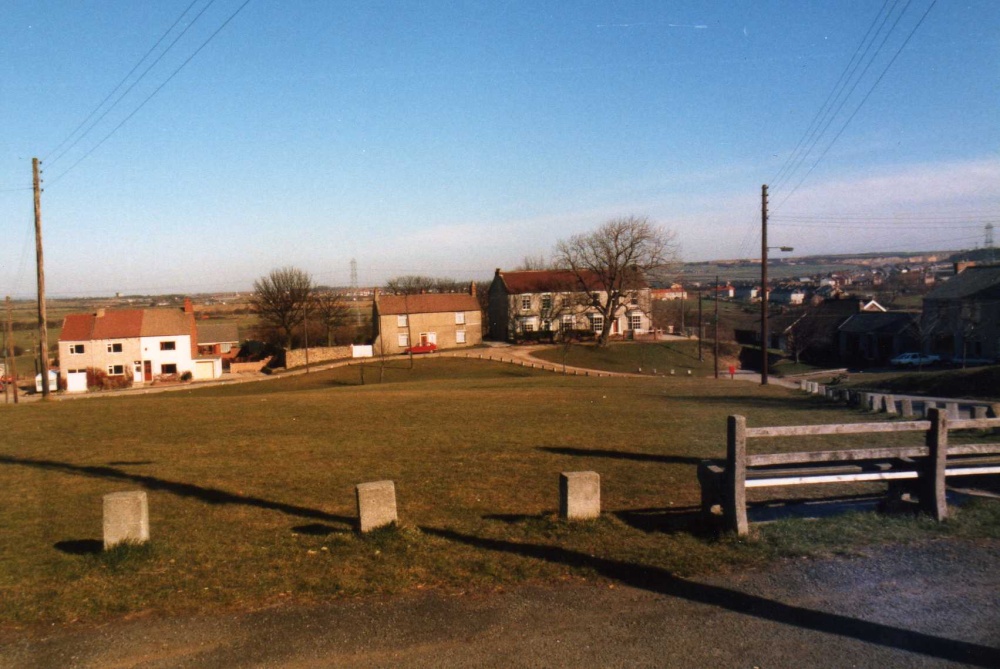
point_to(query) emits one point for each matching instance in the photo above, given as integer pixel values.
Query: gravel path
(932, 605)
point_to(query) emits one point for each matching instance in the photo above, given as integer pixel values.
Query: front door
(147, 370)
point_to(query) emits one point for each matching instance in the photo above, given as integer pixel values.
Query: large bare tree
(615, 260)
(281, 300)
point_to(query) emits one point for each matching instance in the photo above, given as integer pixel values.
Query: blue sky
(452, 138)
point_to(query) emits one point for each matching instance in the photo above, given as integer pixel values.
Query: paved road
(931, 605)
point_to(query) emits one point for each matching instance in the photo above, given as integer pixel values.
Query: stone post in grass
(126, 518)
(376, 505)
(579, 495)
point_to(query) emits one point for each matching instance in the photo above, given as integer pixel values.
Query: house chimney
(472, 289)
(100, 313)
(188, 307)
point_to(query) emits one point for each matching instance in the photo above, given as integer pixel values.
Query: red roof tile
(548, 281)
(429, 303)
(117, 324)
(77, 327)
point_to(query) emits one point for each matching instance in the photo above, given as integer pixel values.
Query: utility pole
(12, 372)
(716, 346)
(763, 285)
(701, 357)
(43, 328)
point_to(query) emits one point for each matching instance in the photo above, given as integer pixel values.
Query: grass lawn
(251, 487)
(658, 358)
(981, 383)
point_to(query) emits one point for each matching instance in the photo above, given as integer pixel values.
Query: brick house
(140, 344)
(446, 320)
(556, 300)
(961, 316)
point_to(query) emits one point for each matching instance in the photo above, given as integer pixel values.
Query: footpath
(919, 606)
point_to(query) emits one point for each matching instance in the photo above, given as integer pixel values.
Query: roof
(878, 322)
(125, 324)
(214, 333)
(971, 281)
(547, 281)
(428, 303)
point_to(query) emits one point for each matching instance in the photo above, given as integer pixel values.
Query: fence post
(932, 491)
(735, 507)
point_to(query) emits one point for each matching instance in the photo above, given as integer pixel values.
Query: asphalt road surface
(932, 605)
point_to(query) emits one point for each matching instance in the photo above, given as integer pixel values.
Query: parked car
(914, 359)
(422, 348)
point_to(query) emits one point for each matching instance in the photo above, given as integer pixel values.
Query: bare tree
(530, 263)
(413, 284)
(332, 312)
(281, 299)
(615, 260)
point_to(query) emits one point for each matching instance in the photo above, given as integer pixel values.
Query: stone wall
(297, 358)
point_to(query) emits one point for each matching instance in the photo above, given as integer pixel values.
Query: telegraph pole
(43, 328)
(716, 326)
(700, 330)
(763, 285)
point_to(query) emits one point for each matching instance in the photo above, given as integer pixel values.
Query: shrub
(187, 376)
(98, 379)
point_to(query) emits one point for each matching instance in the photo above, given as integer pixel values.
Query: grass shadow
(620, 455)
(671, 520)
(80, 546)
(123, 463)
(661, 581)
(318, 530)
(179, 488)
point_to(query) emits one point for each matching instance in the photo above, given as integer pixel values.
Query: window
(597, 322)
(547, 325)
(459, 318)
(76, 349)
(529, 326)
(526, 303)
(168, 346)
(460, 337)
(115, 347)
(401, 321)
(168, 369)
(546, 302)
(636, 322)
(568, 321)
(116, 370)
(403, 340)
(634, 300)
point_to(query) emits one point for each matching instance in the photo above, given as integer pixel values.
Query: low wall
(247, 367)
(297, 358)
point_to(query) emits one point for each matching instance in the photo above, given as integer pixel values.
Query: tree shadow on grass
(318, 530)
(661, 581)
(621, 455)
(181, 489)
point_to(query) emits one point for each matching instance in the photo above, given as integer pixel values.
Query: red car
(422, 348)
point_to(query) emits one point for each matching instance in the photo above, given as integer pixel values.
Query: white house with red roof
(560, 300)
(142, 344)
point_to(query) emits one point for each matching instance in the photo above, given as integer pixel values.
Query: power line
(862, 103)
(151, 95)
(122, 82)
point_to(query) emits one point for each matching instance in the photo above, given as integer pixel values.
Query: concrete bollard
(820, 389)
(979, 412)
(889, 402)
(579, 495)
(126, 518)
(928, 405)
(952, 408)
(906, 406)
(376, 504)
(995, 408)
